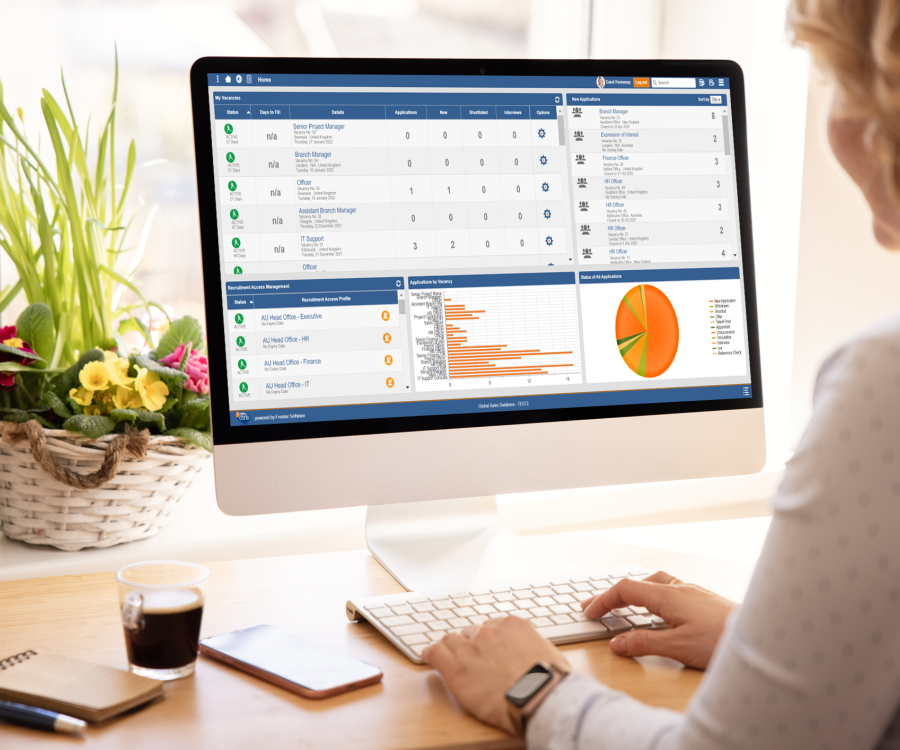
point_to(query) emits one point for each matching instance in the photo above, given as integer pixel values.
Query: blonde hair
(858, 43)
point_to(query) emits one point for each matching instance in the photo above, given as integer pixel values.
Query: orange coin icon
(389, 382)
(389, 360)
(386, 338)
(385, 315)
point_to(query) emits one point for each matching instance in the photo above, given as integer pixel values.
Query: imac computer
(429, 282)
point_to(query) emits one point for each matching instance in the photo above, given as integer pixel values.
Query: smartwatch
(530, 690)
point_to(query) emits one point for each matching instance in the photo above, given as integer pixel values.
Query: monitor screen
(416, 251)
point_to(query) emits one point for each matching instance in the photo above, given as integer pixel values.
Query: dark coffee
(165, 637)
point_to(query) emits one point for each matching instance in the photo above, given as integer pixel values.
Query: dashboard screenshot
(412, 245)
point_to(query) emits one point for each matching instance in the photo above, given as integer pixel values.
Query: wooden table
(222, 708)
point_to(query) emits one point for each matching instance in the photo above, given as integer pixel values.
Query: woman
(812, 657)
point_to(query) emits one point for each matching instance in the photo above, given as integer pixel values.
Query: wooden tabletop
(222, 708)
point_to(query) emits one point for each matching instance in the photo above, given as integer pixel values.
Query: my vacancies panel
(425, 251)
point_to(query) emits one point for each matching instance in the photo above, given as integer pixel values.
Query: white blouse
(812, 657)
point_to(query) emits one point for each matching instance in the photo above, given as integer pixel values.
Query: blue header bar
(381, 112)
(313, 285)
(662, 274)
(251, 80)
(491, 279)
(386, 98)
(646, 100)
(310, 299)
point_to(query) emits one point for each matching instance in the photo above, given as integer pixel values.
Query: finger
(653, 596)
(439, 656)
(454, 642)
(470, 631)
(660, 576)
(646, 643)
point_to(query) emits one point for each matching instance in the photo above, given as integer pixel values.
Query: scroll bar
(726, 135)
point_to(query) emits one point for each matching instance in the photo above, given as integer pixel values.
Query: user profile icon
(601, 82)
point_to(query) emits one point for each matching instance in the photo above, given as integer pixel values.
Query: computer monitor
(437, 279)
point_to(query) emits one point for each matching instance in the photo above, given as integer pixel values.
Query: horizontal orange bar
(642, 83)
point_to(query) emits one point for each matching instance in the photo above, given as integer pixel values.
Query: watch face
(527, 685)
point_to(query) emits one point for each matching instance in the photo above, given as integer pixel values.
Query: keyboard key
(485, 609)
(560, 609)
(582, 586)
(657, 620)
(500, 589)
(591, 627)
(520, 587)
(434, 637)
(404, 609)
(600, 576)
(505, 606)
(443, 604)
(412, 640)
(478, 619)
(639, 621)
(390, 622)
(424, 607)
(640, 610)
(417, 650)
(458, 622)
(381, 612)
(562, 589)
(578, 616)
(459, 595)
(501, 615)
(444, 614)
(525, 603)
(483, 599)
(580, 579)
(637, 570)
(524, 594)
(438, 627)
(543, 591)
(395, 603)
(581, 596)
(423, 617)
(545, 601)
(564, 598)
(616, 623)
(464, 612)
(542, 622)
(601, 585)
(540, 612)
(437, 597)
(416, 627)
(504, 596)
(561, 619)
(478, 592)
(576, 607)
(522, 614)
(416, 599)
(620, 612)
(465, 601)
(560, 582)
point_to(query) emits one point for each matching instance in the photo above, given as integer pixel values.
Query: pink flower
(8, 338)
(197, 368)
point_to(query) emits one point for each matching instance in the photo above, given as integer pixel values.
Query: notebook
(68, 686)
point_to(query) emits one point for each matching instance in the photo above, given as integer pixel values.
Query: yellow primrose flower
(92, 410)
(118, 371)
(16, 342)
(122, 397)
(94, 376)
(81, 396)
(152, 390)
(109, 356)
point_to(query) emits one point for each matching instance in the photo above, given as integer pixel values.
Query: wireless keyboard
(414, 620)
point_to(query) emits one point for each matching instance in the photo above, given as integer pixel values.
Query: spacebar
(576, 628)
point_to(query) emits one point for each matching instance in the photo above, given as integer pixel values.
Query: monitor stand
(455, 545)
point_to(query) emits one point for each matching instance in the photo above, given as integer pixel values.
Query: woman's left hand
(480, 664)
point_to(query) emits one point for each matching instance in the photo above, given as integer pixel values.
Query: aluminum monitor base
(454, 545)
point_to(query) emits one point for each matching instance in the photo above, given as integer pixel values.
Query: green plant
(63, 225)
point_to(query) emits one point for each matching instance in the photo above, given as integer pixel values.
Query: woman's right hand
(696, 618)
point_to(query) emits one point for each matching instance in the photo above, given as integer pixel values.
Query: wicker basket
(135, 504)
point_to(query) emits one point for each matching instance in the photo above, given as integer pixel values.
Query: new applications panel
(420, 252)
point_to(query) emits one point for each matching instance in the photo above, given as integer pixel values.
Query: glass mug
(162, 606)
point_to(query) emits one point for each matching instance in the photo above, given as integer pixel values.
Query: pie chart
(647, 331)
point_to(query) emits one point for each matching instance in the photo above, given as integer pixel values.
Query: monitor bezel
(224, 433)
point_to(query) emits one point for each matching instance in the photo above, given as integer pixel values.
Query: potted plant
(99, 442)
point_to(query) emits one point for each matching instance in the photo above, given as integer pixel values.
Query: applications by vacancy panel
(389, 250)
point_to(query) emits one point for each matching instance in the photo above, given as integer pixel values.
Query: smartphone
(291, 662)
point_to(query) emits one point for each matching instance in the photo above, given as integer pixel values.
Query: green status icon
(242, 364)
(232, 186)
(234, 213)
(244, 387)
(229, 157)
(238, 271)
(228, 129)
(241, 341)
(238, 318)
(236, 242)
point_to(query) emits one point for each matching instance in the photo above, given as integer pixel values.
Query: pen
(38, 718)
